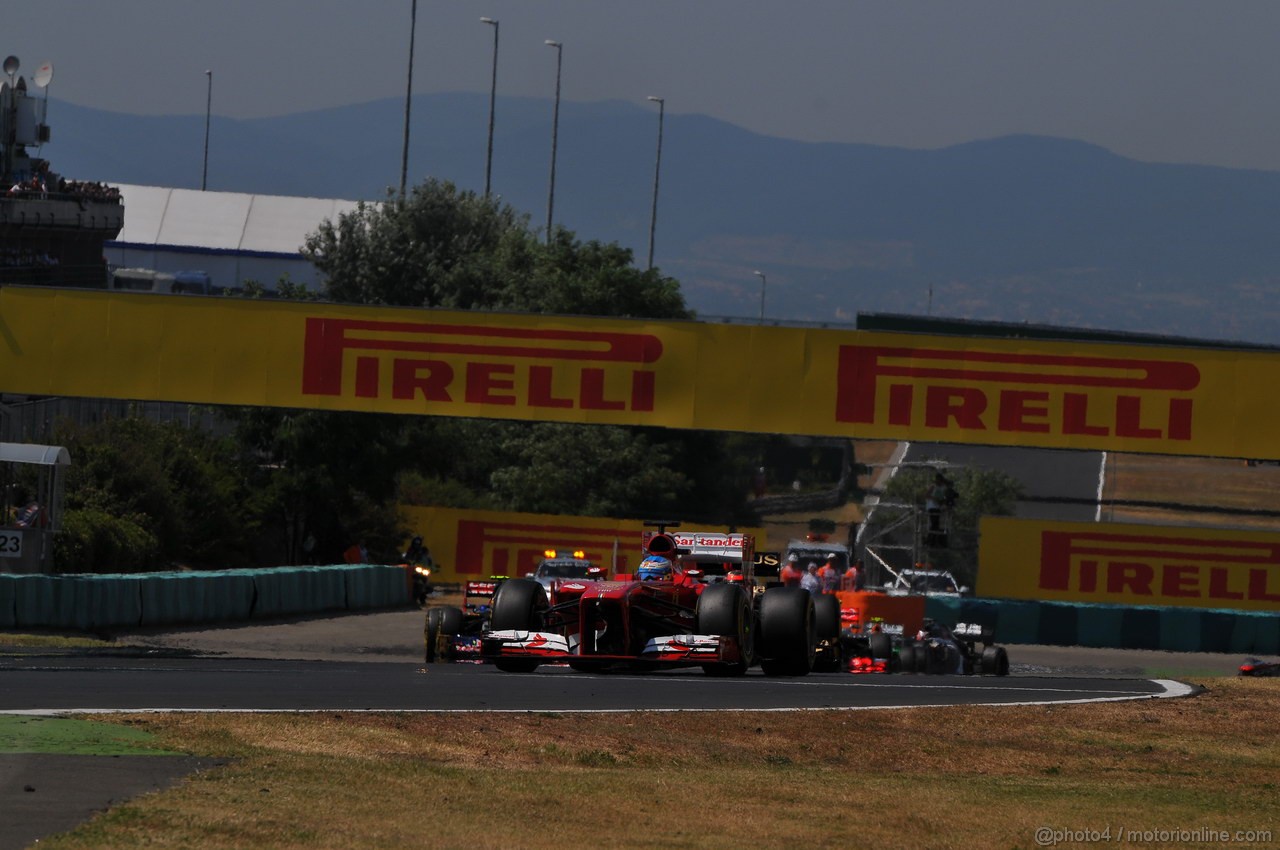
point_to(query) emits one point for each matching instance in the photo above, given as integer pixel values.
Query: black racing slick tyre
(826, 612)
(919, 657)
(725, 609)
(431, 635)
(517, 605)
(443, 624)
(907, 658)
(788, 637)
(995, 661)
(881, 646)
(935, 658)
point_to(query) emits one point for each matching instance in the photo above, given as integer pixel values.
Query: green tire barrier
(85, 602)
(1119, 627)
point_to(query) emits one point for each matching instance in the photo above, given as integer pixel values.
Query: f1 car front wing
(667, 649)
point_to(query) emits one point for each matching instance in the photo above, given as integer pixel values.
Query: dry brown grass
(1193, 482)
(957, 777)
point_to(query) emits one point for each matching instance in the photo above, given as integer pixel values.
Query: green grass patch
(18, 640)
(71, 736)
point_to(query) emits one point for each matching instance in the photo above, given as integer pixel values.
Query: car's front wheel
(725, 609)
(517, 606)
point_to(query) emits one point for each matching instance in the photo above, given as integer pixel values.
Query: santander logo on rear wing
(724, 547)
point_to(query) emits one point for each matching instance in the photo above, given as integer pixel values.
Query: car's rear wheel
(442, 624)
(907, 658)
(517, 606)
(826, 614)
(431, 634)
(725, 609)
(935, 658)
(881, 646)
(788, 633)
(995, 661)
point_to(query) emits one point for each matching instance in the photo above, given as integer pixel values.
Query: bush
(93, 541)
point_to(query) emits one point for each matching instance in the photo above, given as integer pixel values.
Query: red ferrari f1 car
(691, 602)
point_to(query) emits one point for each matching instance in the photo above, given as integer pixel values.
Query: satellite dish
(11, 65)
(43, 75)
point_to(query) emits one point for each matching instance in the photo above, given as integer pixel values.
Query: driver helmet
(654, 568)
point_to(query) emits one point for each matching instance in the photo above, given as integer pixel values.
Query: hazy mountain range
(1018, 228)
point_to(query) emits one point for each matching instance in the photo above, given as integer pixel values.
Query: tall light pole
(208, 108)
(555, 129)
(657, 171)
(763, 281)
(408, 99)
(493, 94)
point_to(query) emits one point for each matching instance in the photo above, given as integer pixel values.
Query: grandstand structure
(233, 237)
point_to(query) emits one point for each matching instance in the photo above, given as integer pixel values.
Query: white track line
(1171, 689)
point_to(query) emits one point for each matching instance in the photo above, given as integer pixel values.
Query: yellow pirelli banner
(804, 381)
(1128, 564)
(469, 544)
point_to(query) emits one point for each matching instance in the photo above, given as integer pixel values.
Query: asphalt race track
(373, 662)
(57, 685)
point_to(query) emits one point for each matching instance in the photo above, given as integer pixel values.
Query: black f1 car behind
(967, 650)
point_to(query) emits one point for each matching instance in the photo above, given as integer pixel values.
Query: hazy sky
(1157, 80)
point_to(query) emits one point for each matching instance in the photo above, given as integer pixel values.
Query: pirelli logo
(996, 392)
(1215, 572)
(479, 364)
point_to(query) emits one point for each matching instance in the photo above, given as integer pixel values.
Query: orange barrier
(858, 607)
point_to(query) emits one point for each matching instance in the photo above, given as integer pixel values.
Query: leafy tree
(143, 495)
(979, 492)
(566, 469)
(443, 247)
(446, 248)
(326, 476)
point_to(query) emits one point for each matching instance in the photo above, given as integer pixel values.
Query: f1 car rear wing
(730, 550)
(479, 594)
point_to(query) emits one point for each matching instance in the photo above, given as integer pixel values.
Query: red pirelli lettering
(1013, 392)
(1215, 571)
(487, 365)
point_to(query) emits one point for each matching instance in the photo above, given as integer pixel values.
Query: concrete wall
(92, 602)
(1115, 626)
